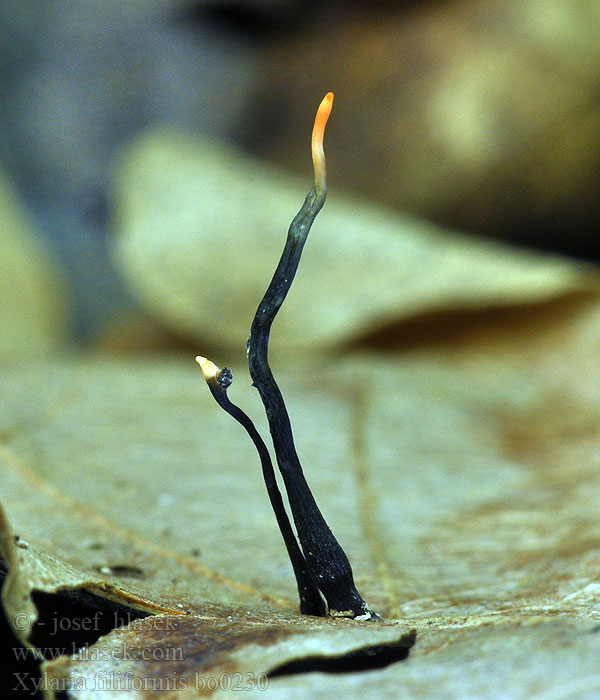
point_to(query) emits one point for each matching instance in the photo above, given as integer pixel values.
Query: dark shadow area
(72, 619)
(20, 670)
(68, 621)
(367, 659)
(451, 327)
(256, 22)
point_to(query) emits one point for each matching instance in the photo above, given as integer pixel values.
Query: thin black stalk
(311, 601)
(324, 555)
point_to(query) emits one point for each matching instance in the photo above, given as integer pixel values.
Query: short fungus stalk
(218, 380)
(322, 562)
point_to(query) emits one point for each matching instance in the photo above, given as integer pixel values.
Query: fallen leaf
(34, 309)
(184, 655)
(83, 523)
(463, 484)
(199, 227)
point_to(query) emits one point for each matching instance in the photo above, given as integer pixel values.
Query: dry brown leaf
(464, 486)
(199, 228)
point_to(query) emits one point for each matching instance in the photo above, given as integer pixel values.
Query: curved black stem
(311, 602)
(322, 565)
(324, 555)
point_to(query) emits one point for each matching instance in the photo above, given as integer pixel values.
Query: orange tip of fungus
(318, 134)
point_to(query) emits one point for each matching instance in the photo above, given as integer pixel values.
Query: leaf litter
(464, 485)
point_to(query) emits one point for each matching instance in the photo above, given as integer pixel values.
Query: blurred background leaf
(199, 227)
(482, 115)
(34, 308)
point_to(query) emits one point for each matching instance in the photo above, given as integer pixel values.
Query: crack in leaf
(364, 659)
